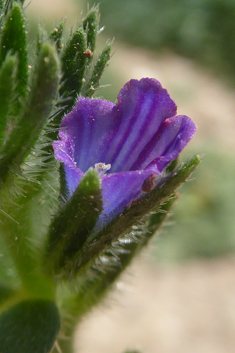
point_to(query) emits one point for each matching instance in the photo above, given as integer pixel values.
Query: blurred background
(179, 296)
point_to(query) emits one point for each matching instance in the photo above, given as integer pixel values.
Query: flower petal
(165, 146)
(118, 190)
(142, 107)
(99, 131)
(89, 127)
(73, 177)
(63, 152)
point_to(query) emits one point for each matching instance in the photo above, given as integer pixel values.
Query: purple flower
(129, 144)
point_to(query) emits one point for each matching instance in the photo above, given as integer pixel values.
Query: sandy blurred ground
(184, 309)
(53, 10)
(187, 308)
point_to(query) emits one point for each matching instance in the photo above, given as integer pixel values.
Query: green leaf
(13, 41)
(40, 103)
(133, 216)
(92, 83)
(73, 223)
(7, 79)
(42, 38)
(56, 35)
(90, 26)
(29, 326)
(73, 67)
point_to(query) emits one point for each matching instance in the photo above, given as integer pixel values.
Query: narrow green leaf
(42, 38)
(13, 40)
(73, 223)
(134, 215)
(56, 35)
(92, 83)
(40, 103)
(29, 326)
(7, 79)
(90, 26)
(73, 67)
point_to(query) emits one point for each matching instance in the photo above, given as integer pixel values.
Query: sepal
(72, 225)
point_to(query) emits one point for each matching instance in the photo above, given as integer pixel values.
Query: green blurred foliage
(200, 29)
(203, 219)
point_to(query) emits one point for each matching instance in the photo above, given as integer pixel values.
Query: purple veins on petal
(127, 143)
(142, 107)
(166, 144)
